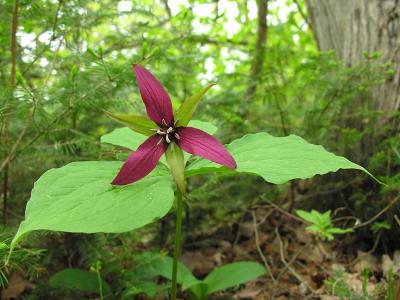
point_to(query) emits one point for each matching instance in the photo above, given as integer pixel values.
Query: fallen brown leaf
(16, 286)
(198, 263)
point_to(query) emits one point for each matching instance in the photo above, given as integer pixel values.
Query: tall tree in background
(259, 52)
(357, 30)
(352, 28)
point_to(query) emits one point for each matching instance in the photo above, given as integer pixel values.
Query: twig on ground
(378, 214)
(252, 208)
(378, 238)
(263, 258)
(283, 271)
(284, 211)
(287, 266)
(397, 219)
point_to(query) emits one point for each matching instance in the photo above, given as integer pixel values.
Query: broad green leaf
(81, 280)
(205, 126)
(137, 123)
(187, 108)
(124, 137)
(277, 159)
(79, 198)
(127, 138)
(232, 275)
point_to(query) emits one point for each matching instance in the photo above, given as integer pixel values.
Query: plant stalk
(100, 284)
(177, 244)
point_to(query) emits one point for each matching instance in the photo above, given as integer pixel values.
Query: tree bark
(13, 73)
(259, 52)
(353, 27)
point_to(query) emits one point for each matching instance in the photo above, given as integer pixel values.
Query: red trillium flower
(167, 134)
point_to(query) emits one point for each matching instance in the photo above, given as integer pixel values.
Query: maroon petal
(198, 142)
(141, 162)
(155, 97)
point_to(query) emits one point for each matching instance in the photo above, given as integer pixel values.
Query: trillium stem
(177, 244)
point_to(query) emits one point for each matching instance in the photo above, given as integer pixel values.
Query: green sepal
(175, 161)
(136, 123)
(187, 108)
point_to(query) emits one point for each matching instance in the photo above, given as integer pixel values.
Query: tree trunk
(5, 137)
(259, 52)
(353, 27)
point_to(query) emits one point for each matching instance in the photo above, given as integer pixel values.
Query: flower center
(169, 134)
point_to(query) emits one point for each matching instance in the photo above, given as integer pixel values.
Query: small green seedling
(222, 278)
(321, 224)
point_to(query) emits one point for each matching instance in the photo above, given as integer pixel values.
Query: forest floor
(302, 266)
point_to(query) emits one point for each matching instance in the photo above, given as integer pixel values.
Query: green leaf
(141, 278)
(318, 218)
(3, 246)
(187, 108)
(160, 265)
(328, 236)
(376, 226)
(305, 215)
(277, 159)
(325, 219)
(314, 228)
(163, 267)
(81, 280)
(148, 288)
(123, 137)
(205, 126)
(137, 123)
(127, 138)
(232, 275)
(79, 198)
